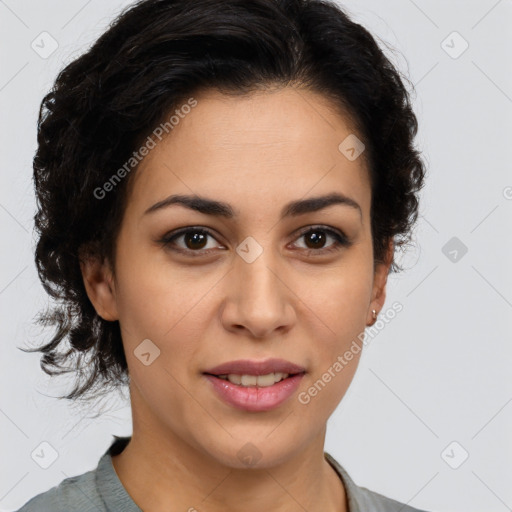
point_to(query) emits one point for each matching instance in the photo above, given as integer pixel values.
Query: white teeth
(235, 379)
(266, 380)
(248, 380)
(255, 380)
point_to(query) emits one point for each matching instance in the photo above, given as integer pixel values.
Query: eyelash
(340, 240)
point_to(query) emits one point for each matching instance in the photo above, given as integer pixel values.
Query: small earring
(374, 313)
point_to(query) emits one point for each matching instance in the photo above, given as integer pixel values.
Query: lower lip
(255, 399)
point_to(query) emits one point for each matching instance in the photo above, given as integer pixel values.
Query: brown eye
(194, 240)
(315, 239)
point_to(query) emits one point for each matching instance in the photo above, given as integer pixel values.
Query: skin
(256, 152)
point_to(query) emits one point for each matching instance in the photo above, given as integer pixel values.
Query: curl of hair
(152, 57)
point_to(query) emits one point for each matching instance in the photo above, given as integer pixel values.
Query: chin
(253, 451)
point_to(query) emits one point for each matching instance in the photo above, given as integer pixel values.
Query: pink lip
(255, 399)
(248, 367)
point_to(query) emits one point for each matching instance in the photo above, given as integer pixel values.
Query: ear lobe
(99, 285)
(379, 283)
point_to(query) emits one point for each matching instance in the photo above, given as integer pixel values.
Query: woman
(222, 186)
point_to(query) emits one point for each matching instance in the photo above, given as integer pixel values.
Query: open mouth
(251, 381)
(255, 386)
(255, 393)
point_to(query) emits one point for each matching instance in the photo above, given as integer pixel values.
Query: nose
(259, 300)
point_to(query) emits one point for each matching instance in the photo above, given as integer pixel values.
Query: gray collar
(352, 490)
(110, 488)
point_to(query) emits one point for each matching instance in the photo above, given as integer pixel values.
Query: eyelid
(341, 239)
(168, 238)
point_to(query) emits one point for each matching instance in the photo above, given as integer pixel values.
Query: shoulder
(371, 500)
(74, 493)
(361, 499)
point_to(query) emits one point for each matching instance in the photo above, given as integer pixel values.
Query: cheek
(339, 297)
(156, 298)
(337, 304)
(168, 306)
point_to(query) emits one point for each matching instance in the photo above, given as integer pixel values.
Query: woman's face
(256, 287)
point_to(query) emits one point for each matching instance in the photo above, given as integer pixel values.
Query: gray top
(100, 490)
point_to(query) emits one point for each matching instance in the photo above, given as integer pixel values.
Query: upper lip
(251, 367)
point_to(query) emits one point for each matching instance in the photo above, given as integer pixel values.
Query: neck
(162, 472)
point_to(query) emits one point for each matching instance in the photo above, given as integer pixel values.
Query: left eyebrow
(221, 209)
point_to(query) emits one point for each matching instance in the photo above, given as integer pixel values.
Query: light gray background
(438, 373)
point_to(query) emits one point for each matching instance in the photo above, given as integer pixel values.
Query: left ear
(380, 279)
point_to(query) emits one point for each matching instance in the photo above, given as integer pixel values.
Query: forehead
(265, 148)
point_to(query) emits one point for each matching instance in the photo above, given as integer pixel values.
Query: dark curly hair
(152, 57)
